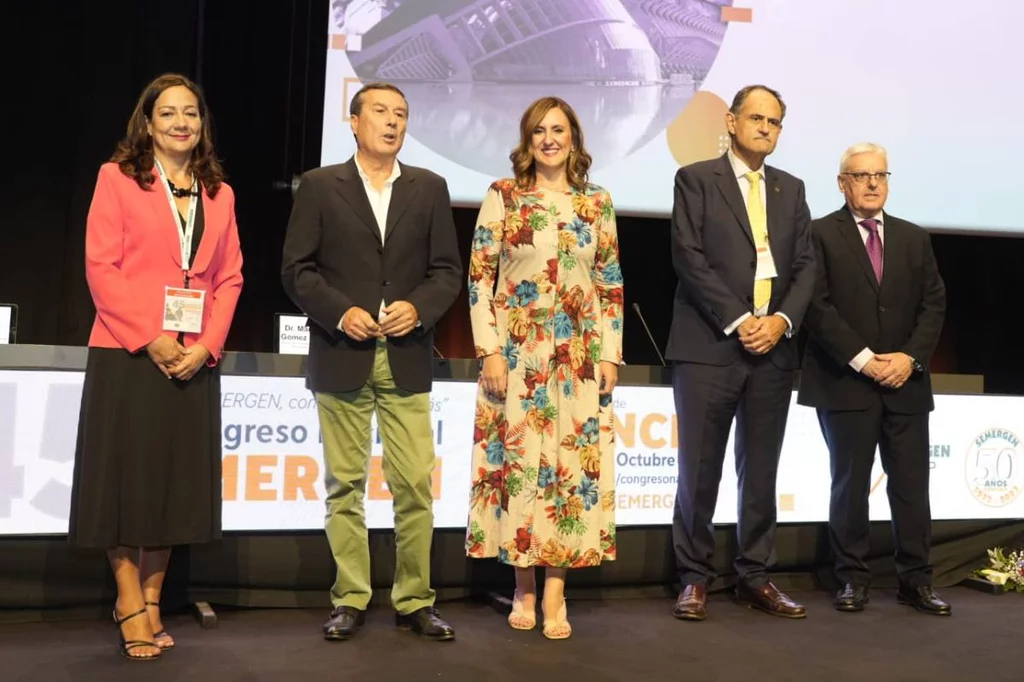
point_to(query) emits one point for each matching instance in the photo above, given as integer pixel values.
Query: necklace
(181, 192)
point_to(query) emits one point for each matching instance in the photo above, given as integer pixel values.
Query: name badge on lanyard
(183, 307)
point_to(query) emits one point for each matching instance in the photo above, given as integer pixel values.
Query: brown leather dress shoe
(692, 603)
(769, 599)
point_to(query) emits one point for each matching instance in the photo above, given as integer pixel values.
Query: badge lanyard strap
(184, 233)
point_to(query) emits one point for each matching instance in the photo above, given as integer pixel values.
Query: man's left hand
(767, 335)
(901, 366)
(401, 319)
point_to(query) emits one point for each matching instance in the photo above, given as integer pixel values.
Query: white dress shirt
(380, 202)
(740, 170)
(862, 358)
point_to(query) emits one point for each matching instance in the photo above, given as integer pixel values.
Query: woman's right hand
(494, 375)
(165, 353)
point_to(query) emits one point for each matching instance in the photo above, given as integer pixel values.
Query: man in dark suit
(741, 247)
(872, 326)
(372, 258)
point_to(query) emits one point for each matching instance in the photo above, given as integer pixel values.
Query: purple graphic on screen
(470, 67)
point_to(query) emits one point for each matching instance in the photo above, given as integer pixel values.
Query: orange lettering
(625, 432)
(300, 473)
(631, 501)
(645, 431)
(229, 478)
(256, 478)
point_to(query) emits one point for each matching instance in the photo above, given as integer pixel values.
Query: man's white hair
(861, 148)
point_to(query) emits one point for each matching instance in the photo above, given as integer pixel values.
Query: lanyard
(184, 233)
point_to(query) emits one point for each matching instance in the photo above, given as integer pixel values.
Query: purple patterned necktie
(874, 246)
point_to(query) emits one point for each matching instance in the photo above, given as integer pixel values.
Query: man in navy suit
(741, 246)
(873, 324)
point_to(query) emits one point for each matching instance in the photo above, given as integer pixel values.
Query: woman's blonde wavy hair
(523, 164)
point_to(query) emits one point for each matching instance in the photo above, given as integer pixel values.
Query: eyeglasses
(862, 178)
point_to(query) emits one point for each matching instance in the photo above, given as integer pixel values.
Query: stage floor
(612, 640)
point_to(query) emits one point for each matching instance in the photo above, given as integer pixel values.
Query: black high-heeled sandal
(163, 633)
(128, 645)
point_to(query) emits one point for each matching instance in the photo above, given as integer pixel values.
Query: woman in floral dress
(545, 294)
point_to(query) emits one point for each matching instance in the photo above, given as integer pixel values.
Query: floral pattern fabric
(545, 291)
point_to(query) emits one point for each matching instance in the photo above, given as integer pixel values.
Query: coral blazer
(132, 251)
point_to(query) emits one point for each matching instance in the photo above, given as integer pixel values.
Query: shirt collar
(740, 168)
(858, 218)
(396, 170)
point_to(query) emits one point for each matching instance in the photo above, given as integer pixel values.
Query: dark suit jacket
(850, 312)
(715, 260)
(334, 259)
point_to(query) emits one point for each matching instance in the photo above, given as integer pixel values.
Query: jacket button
(750, 299)
(385, 283)
(380, 249)
(753, 264)
(881, 308)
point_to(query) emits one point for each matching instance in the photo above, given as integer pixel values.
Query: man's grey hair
(861, 148)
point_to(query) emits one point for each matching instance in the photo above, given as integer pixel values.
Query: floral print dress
(545, 291)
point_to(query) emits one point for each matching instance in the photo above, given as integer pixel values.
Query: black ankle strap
(118, 619)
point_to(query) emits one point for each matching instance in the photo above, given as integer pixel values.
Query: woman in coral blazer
(164, 267)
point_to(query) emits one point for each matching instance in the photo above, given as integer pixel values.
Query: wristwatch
(918, 367)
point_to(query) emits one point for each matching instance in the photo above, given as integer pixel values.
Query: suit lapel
(403, 192)
(166, 220)
(851, 233)
(730, 189)
(773, 201)
(212, 221)
(350, 187)
(892, 244)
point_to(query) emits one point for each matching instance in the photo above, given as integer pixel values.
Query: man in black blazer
(872, 326)
(742, 251)
(372, 258)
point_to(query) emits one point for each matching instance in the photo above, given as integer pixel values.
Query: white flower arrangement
(1004, 569)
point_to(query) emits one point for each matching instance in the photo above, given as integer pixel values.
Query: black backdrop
(81, 65)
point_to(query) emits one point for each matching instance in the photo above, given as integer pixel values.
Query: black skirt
(148, 459)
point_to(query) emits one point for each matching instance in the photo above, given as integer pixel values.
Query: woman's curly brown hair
(134, 153)
(523, 164)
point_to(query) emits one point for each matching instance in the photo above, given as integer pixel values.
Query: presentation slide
(273, 475)
(651, 80)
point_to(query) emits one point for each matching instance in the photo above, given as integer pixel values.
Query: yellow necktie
(759, 226)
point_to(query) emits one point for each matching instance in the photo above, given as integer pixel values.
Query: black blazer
(715, 260)
(850, 312)
(334, 259)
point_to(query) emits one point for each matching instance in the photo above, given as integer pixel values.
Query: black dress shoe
(344, 623)
(427, 622)
(851, 597)
(923, 599)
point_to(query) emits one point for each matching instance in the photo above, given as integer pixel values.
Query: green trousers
(406, 433)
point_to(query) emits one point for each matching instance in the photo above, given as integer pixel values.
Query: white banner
(273, 471)
(5, 323)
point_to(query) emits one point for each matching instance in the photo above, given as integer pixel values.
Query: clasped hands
(174, 360)
(760, 334)
(889, 369)
(400, 318)
(494, 376)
